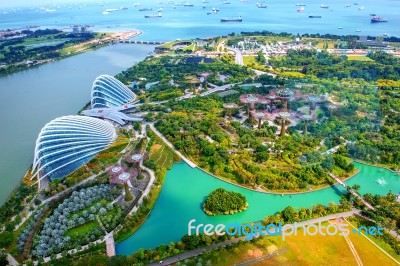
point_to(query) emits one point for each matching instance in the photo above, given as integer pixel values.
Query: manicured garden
(75, 221)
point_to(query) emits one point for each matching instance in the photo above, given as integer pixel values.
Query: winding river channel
(185, 189)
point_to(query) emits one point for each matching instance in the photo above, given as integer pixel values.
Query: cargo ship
(378, 19)
(237, 19)
(158, 15)
(324, 6)
(261, 5)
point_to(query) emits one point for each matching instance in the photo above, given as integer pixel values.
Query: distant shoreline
(95, 44)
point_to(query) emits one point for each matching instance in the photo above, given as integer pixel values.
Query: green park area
(358, 58)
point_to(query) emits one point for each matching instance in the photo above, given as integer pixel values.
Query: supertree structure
(229, 107)
(259, 116)
(284, 116)
(136, 159)
(121, 174)
(306, 119)
(284, 95)
(313, 101)
(250, 100)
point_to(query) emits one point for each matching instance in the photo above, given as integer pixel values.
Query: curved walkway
(146, 191)
(169, 144)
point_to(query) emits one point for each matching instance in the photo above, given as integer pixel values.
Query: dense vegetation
(237, 152)
(175, 75)
(220, 201)
(325, 65)
(14, 204)
(290, 215)
(387, 210)
(33, 46)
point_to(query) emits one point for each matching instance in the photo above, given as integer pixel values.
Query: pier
(142, 42)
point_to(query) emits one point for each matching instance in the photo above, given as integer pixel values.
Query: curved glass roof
(107, 91)
(67, 143)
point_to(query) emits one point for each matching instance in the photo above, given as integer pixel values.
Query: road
(238, 55)
(259, 259)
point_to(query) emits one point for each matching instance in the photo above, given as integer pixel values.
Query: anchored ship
(158, 15)
(237, 19)
(378, 19)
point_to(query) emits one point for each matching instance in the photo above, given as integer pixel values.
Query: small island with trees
(221, 201)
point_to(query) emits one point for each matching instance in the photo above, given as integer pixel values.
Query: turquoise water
(368, 176)
(185, 189)
(191, 22)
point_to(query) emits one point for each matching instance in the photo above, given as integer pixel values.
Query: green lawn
(250, 61)
(190, 47)
(162, 155)
(358, 58)
(82, 229)
(364, 239)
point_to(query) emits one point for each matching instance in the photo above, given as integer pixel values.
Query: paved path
(354, 251)
(195, 252)
(147, 190)
(169, 144)
(374, 242)
(216, 88)
(11, 260)
(110, 245)
(238, 55)
(213, 88)
(252, 261)
(325, 218)
(392, 232)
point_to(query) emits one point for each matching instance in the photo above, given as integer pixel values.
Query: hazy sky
(18, 3)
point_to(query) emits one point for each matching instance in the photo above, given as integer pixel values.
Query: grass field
(190, 47)
(386, 247)
(82, 229)
(250, 61)
(162, 155)
(306, 250)
(358, 58)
